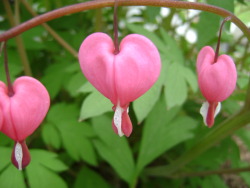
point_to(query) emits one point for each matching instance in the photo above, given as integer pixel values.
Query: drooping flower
(22, 113)
(121, 77)
(217, 81)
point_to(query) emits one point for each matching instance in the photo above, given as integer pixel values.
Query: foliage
(76, 147)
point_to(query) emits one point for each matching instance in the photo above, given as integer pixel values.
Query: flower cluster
(125, 76)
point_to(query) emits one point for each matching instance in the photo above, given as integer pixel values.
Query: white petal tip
(19, 155)
(118, 120)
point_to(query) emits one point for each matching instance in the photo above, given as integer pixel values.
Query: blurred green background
(75, 145)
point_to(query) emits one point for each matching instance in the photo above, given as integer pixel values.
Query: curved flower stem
(110, 3)
(218, 43)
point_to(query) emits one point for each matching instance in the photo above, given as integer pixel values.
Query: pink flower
(123, 77)
(22, 113)
(217, 81)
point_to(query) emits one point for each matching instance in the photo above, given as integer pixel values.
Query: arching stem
(218, 43)
(6, 67)
(108, 3)
(116, 41)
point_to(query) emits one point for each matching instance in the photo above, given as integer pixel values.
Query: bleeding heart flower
(121, 77)
(217, 81)
(22, 113)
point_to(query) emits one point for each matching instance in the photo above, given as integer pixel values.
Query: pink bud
(217, 80)
(124, 77)
(24, 111)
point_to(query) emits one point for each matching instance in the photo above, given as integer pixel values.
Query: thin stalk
(116, 41)
(110, 3)
(7, 72)
(218, 43)
(98, 20)
(19, 42)
(52, 32)
(1, 48)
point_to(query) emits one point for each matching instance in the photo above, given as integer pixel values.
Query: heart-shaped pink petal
(25, 110)
(123, 77)
(216, 80)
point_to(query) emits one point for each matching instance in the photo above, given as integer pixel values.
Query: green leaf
(75, 82)
(161, 132)
(228, 5)
(5, 154)
(191, 78)
(144, 104)
(61, 111)
(207, 28)
(15, 67)
(88, 178)
(213, 181)
(51, 135)
(41, 171)
(152, 12)
(32, 39)
(46, 159)
(175, 86)
(57, 73)
(12, 178)
(172, 50)
(75, 135)
(231, 106)
(5, 141)
(113, 149)
(87, 88)
(95, 104)
(76, 143)
(227, 150)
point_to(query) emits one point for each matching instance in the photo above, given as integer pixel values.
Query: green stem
(218, 133)
(98, 24)
(110, 3)
(19, 42)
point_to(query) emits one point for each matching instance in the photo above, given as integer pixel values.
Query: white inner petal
(217, 110)
(19, 155)
(204, 111)
(118, 120)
